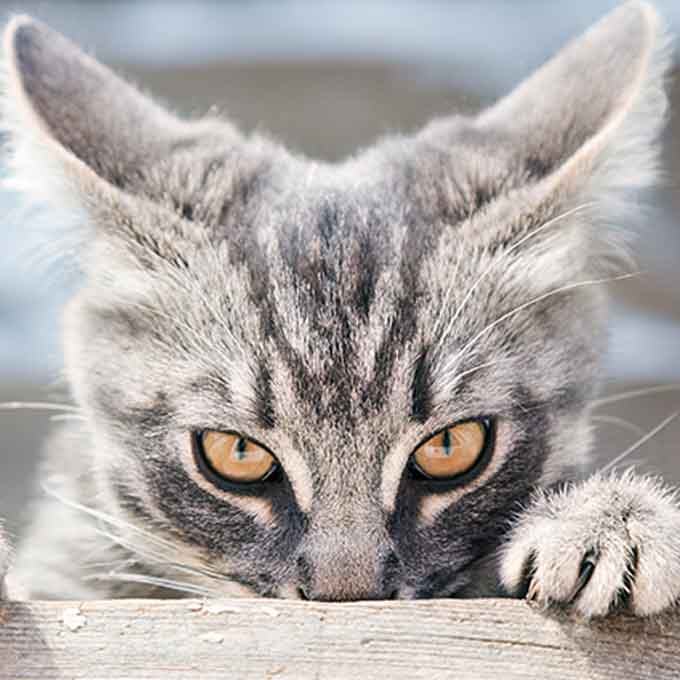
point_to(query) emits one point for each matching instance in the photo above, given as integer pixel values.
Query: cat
(364, 380)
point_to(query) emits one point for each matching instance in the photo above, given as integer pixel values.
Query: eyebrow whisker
(539, 298)
(496, 263)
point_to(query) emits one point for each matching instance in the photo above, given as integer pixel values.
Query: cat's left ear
(74, 128)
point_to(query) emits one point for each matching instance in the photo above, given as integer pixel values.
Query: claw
(526, 579)
(533, 591)
(587, 568)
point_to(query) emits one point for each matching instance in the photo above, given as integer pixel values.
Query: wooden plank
(287, 640)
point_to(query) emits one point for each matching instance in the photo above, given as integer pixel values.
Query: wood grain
(277, 640)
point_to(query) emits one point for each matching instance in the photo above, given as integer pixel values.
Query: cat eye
(453, 451)
(230, 457)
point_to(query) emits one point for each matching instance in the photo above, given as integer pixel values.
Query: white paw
(598, 546)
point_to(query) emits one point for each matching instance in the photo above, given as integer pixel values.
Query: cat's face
(400, 346)
(324, 328)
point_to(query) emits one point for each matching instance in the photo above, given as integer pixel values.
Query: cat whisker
(160, 559)
(550, 223)
(170, 584)
(119, 523)
(113, 565)
(67, 416)
(128, 544)
(630, 394)
(544, 296)
(149, 538)
(479, 367)
(108, 519)
(640, 442)
(622, 423)
(37, 406)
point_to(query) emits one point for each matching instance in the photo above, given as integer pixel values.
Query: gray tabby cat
(372, 379)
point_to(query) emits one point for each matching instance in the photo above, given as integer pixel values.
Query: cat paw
(606, 544)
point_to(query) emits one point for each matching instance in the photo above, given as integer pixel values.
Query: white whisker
(624, 424)
(640, 442)
(37, 406)
(67, 416)
(160, 559)
(127, 577)
(111, 565)
(562, 289)
(496, 263)
(479, 367)
(642, 392)
(150, 539)
(107, 519)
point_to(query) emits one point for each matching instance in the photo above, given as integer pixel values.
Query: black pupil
(446, 442)
(241, 446)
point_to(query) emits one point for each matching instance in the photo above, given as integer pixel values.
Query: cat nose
(348, 571)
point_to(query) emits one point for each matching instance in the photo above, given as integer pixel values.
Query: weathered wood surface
(276, 640)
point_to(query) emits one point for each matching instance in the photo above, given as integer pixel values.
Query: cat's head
(398, 347)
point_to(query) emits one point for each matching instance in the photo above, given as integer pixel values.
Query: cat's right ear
(75, 130)
(586, 123)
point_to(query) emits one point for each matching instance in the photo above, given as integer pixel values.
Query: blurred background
(326, 78)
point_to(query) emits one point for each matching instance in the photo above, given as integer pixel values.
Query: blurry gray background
(327, 77)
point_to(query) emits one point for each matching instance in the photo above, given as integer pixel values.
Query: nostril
(302, 593)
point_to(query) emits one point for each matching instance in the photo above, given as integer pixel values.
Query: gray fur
(339, 314)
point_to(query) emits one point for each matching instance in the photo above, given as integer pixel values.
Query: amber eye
(233, 457)
(452, 451)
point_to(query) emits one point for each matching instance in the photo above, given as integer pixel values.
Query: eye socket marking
(228, 459)
(455, 452)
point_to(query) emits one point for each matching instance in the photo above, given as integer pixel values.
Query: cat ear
(71, 123)
(588, 119)
(580, 130)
